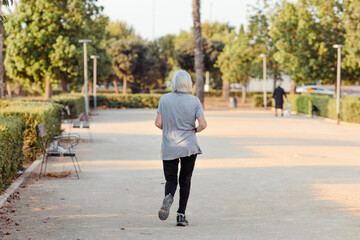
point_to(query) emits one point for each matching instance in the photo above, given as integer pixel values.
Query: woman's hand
(202, 123)
(158, 121)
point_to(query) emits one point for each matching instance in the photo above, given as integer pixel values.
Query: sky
(172, 16)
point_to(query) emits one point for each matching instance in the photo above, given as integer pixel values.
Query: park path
(260, 177)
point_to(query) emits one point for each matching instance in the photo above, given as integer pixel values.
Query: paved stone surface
(260, 177)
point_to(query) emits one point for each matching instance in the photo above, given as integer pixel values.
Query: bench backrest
(41, 135)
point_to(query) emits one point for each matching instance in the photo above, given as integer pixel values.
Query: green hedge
(126, 101)
(258, 100)
(11, 144)
(349, 106)
(76, 103)
(33, 113)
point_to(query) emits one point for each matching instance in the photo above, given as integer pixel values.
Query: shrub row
(76, 103)
(258, 100)
(33, 113)
(11, 144)
(349, 106)
(126, 101)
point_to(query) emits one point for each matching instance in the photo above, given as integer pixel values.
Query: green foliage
(349, 106)
(43, 36)
(33, 113)
(120, 30)
(11, 144)
(261, 42)
(127, 101)
(132, 59)
(235, 60)
(258, 100)
(76, 103)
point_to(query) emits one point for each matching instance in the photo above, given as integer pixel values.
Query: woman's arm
(202, 123)
(158, 121)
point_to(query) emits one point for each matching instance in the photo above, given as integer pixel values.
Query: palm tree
(198, 51)
(2, 18)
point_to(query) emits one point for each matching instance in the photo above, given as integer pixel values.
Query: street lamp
(264, 77)
(84, 41)
(338, 80)
(94, 57)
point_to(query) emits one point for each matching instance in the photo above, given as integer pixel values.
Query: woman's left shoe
(181, 220)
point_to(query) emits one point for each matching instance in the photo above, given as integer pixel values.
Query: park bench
(54, 146)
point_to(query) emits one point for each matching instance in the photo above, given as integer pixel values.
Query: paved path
(260, 177)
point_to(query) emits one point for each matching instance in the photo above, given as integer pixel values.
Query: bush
(33, 113)
(126, 101)
(11, 144)
(76, 103)
(349, 106)
(258, 100)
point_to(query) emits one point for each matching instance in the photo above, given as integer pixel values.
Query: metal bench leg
(77, 163)
(77, 174)
(42, 163)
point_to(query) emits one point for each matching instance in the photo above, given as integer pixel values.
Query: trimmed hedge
(258, 100)
(33, 113)
(126, 101)
(76, 103)
(11, 144)
(349, 106)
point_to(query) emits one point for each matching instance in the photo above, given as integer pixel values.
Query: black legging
(186, 170)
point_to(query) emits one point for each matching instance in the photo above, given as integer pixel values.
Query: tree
(43, 41)
(2, 18)
(351, 21)
(261, 42)
(198, 51)
(118, 30)
(295, 35)
(235, 62)
(132, 61)
(213, 38)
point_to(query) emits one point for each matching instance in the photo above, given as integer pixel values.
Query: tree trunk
(17, 89)
(107, 84)
(275, 75)
(243, 92)
(2, 89)
(116, 87)
(226, 90)
(91, 88)
(48, 90)
(198, 51)
(63, 85)
(124, 85)
(293, 87)
(8, 88)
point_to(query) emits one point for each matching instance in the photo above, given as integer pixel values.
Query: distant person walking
(176, 116)
(278, 95)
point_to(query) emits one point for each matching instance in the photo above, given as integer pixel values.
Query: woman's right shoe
(165, 207)
(181, 220)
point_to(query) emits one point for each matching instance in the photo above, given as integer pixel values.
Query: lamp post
(338, 80)
(264, 77)
(84, 41)
(94, 57)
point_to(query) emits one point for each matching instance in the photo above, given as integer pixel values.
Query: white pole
(338, 86)
(86, 81)
(84, 41)
(95, 78)
(338, 80)
(264, 77)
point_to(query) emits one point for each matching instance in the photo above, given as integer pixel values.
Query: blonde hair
(181, 82)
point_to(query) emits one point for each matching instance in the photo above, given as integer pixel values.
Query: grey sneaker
(165, 207)
(181, 220)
